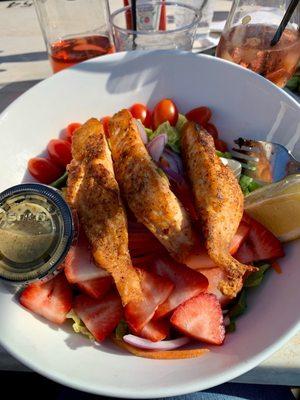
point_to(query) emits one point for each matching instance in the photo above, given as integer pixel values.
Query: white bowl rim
(227, 376)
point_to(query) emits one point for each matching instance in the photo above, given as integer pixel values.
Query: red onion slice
(142, 131)
(173, 160)
(157, 146)
(174, 176)
(141, 343)
(182, 190)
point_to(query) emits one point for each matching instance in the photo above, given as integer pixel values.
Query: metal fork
(265, 162)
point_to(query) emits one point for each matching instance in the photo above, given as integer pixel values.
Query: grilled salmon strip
(146, 188)
(93, 191)
(219, 203)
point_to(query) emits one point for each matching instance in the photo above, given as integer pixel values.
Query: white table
(23, 62)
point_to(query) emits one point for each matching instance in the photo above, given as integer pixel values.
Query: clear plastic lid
(36, 231)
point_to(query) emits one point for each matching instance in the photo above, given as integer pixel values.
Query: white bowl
(243, 104)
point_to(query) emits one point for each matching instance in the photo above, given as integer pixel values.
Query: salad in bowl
(166, 249)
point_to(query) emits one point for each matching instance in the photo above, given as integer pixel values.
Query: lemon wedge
(277, 207)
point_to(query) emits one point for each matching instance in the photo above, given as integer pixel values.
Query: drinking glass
(247, 36)
(160, 25)
(74, 30)
(206, 8)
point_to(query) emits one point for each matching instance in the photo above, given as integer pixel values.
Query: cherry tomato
(60, 152)
(70, 129)
(221, 145)
(200, 115)
(211, 129)
(141, 112)
(165, 110)
(105, 122)
(44, 170)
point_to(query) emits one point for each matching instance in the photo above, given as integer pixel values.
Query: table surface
(23, 63)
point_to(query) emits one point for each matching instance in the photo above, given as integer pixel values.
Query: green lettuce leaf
(122, 329)
(149, 133)
(255, 279)
(226, 154)
(239, 307)
(231, 327)
(172, 133)
(294, 83)
(60, 182)
(180, 122)
(78, 326)
(248, 184)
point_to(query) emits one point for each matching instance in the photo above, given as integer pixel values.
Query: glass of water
(159, 25)
(206, 8)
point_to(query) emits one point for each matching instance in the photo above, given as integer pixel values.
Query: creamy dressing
(21, 247)
(36, 232)
(26, 232)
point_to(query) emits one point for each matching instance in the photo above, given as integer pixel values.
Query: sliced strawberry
(79, 265)
(188, 283)
(214, 276)
(201, 318)
(155, 290)
(239, 237)
(246, 253)
(96, 288)
(155, 330)
(201, 259)
(143, 261)
(99, 316)
(143, 245)
(260, 244)
(52, 300)
(143, 242)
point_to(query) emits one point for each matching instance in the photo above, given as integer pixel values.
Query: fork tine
(250, 147)
(264, 161)
(247, 142)
(245, 165)
(242, 142)
(244, 155)
(248, 167)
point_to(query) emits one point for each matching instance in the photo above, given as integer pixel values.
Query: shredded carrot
(276, 267)
(160, 355)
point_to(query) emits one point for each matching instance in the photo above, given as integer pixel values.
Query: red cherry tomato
(200, 115)
(44, 170)
(221, 145)
(70, 129)
(60, 152)
(141, 112)
(211, 129)
(105, 122)
(165, 110)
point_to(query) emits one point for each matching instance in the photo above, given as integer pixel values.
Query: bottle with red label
(150, 17)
